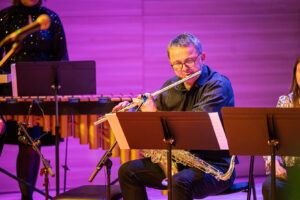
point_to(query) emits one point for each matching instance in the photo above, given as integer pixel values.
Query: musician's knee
(181, 182)
(181, 188)
(124, 173)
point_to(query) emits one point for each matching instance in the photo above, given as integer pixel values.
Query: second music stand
(263, 131)
(168, 130)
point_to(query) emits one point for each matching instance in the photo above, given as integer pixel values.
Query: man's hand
(148, 106)
(120, 106)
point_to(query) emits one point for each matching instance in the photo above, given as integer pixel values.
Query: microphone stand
(47, 167)
(108, 163)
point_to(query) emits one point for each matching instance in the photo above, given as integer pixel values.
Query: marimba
(77, 115)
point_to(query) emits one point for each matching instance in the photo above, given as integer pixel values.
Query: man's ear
(203, 56)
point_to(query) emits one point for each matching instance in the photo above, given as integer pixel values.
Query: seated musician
(44, 45)
(286, 167)
(207, 92)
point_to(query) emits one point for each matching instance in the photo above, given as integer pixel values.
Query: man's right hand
(120, 106)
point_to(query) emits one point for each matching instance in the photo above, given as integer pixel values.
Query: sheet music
(219, 131)
(14, 79)
(117, 130)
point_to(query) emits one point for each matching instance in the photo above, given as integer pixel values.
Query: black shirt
(210, 93)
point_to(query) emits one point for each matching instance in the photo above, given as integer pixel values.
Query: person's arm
(217, 95)
(284, 102)
(280, 171)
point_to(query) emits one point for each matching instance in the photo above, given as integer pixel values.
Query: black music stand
(263, 131)
(168, 130)
(37, 78)
(54, 78)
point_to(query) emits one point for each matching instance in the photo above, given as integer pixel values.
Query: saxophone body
(187, 159)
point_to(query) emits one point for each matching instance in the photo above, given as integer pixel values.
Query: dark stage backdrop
(253, 42)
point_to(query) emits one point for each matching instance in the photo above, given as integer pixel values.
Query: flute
(132, 105)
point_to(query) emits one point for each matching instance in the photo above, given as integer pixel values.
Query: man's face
(29, 3)
(185, 60)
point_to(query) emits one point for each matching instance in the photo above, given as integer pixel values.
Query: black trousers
(187, 184)
(28, 163)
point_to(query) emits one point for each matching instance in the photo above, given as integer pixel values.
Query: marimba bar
(68, 105)
(77, 115)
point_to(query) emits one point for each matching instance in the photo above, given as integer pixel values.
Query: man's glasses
(189, 63)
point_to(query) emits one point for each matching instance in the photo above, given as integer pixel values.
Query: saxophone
(187, 159)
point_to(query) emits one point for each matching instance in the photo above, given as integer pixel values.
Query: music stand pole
(272, 142)
(56, 87)
(169, 141)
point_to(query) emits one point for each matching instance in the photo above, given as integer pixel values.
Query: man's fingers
(282, 176)
(137, 101)
(120, 106)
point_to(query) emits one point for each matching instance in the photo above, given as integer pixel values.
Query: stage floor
(156, 194)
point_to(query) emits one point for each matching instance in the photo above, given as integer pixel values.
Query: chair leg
(251, 180)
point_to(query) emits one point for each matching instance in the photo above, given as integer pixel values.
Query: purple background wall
(253, 42)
